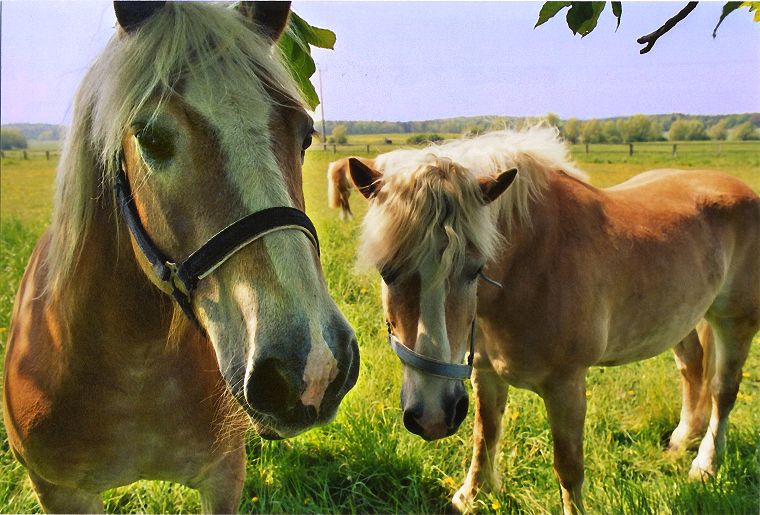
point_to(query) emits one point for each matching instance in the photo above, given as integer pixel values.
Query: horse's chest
(119, 426)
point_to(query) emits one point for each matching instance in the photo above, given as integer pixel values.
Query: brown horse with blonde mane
(181, 176)
(339, 185)
(574, 276)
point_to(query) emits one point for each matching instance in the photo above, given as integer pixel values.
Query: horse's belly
(640, 333)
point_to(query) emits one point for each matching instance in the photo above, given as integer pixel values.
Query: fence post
(586, 148)
(2, 154)
(367, 148)
(47, 155)
(335, 149)
(674, 149)
(718, 149)
(630, 149)
(26, 156)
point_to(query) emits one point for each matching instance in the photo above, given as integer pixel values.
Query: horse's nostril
(459, 413)
(411, 420)
(269, 389)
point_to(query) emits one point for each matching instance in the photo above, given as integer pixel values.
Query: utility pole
(322, 109)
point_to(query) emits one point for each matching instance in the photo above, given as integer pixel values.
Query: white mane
(536, 153)
(430, 198)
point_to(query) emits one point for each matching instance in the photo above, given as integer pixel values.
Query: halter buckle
(174, 279)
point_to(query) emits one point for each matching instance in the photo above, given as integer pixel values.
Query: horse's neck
(109, 289)
(565, 206)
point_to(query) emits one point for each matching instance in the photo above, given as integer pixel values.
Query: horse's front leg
(490, 398)
(62, 499)
(565, 400)
(222, 485)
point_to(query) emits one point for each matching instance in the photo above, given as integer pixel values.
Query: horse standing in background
(181, 177)
(339, 185)
(578, 276)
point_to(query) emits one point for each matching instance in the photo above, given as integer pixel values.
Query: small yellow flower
(307, 501)
(495, 505)
(3, 329)
(588, 394)
(630, 392)
(514, 415)
(448, 482)
(363, 291)
(745, 375)
(743, 397)
(379, 407)
(254, 499)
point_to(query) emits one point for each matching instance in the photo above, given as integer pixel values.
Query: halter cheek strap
(181, 279)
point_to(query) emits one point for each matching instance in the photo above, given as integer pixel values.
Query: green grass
(365, 461)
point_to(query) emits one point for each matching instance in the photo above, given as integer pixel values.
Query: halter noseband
(442, 369)
(182, 278)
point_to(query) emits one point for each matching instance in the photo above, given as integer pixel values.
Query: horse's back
(693, 235)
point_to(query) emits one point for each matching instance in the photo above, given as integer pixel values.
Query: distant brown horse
(579, 276)
(339, 185)
(181, 176)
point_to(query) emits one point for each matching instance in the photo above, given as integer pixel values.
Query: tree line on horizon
(624, 129)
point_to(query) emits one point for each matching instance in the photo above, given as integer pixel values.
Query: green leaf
(753, 6)
(548, 10)
(583, 16)
(728, 8)
(617, 10)
(295, 46)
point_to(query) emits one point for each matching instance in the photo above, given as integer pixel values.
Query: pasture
(365, 461)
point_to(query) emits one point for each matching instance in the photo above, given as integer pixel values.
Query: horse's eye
(307, 142)
(156, 144)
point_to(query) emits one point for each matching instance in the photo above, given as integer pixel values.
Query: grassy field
(365, 461)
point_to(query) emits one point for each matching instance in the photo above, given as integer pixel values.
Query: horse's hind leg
(345, 206)
(732, 341)
(60, 499)
(696, 361)
(490, 394)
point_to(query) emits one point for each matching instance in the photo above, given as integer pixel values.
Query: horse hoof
(463, 501)
(701, 472)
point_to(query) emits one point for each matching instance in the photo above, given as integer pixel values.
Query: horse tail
(334, 185)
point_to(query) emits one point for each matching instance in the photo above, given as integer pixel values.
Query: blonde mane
(437, 187)
(206, 42)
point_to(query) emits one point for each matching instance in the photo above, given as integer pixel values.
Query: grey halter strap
(435, 367)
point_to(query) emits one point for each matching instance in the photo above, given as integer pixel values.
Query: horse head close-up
(179, 267)
(429, 233)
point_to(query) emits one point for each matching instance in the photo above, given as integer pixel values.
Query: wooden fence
(28, 155)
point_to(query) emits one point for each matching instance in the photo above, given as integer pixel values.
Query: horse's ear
(131, 15)
(367, 180)
(492, 187)
(270, 16)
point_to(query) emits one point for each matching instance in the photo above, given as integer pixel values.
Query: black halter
(183, 277)
(453, 371)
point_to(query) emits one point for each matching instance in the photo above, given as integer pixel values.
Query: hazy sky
(423, 60)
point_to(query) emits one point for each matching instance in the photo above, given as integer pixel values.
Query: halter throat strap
(182, 278)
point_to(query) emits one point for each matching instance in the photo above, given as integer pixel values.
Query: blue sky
(423, 60)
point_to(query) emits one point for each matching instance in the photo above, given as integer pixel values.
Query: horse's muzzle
(274, 389)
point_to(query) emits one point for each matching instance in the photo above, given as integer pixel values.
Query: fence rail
(29, 155)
